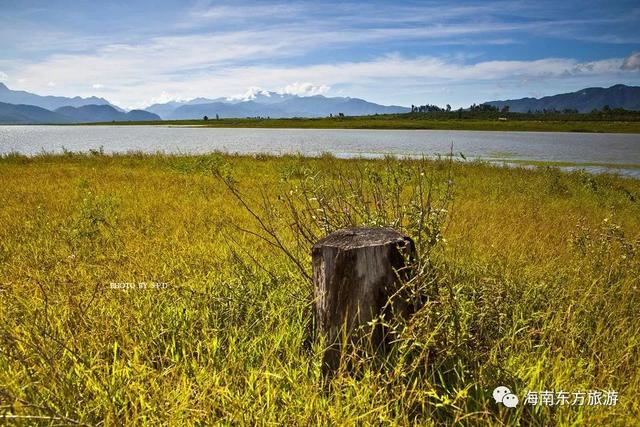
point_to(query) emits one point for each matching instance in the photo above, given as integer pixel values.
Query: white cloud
(225, 63)
(214, 61)
(51, 84)
(300, 89)
(305, 89)
(631, 62)
(407, 75)
(163, 98)
(249, 94)
(124, 64)
(133, 83)
(238, 11)
(3, 76)
(399, 69)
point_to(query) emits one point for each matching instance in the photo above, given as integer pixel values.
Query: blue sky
(411, 52)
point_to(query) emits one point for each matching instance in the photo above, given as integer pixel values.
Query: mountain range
(271, 104)
(24, 107)
(20, 107)
(584, 101)
(49, 102)
(31, 114)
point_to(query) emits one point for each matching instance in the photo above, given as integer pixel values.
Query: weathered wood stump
(356, 271)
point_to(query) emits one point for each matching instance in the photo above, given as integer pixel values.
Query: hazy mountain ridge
(104, 113)
(272, 104)
(28, 114)
(278, 105)
(585, 100)
(21, 97)
(222, 109)
(31, 114)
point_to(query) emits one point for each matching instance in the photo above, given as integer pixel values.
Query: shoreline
(516, 124)
(622, 170)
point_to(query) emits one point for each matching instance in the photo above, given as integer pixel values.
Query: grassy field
(533, 284)
(518, 123)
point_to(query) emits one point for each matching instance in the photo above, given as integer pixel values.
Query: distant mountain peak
(583, 100)
(48, 102)
(251, 94)
(259, 103)
(260, 96)
(103, 113)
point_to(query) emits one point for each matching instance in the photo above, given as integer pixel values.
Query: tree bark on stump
(356, 272)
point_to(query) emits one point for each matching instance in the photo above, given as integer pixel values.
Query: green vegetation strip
(629, 123)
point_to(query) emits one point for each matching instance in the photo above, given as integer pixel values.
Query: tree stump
(356, 272)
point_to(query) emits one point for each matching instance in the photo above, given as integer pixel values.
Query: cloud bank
(632, 62)
(304, 89)
(388, 53)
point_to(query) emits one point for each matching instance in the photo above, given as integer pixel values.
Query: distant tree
(340, 114)
(606, 108)
(217, 117)
(428, 108)
(448, 108)
(505, 109)
(205, 118)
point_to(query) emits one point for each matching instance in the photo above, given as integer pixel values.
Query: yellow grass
(538, 276)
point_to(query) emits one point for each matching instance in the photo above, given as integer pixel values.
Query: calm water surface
(620, 149)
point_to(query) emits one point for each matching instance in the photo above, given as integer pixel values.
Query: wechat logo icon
(503, 395)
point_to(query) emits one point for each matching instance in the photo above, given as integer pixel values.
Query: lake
(618, 151)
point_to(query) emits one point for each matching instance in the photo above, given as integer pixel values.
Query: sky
(136, 53)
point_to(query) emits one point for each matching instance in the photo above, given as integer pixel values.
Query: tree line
(487, 110)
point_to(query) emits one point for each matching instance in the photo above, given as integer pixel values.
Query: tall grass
(536, 270)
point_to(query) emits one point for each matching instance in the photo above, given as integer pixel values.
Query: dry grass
(539, 290)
